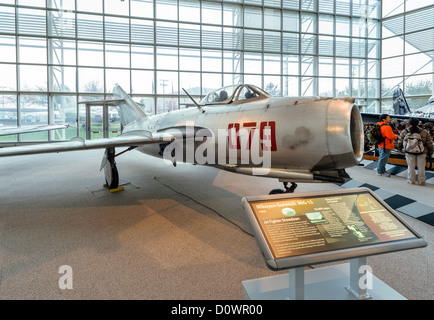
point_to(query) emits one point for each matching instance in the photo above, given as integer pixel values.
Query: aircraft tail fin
(129, 111)
(400, 105)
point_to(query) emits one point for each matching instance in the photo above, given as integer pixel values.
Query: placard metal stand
(296, 231)
(335, 282)
(357, 287)
(296, 283)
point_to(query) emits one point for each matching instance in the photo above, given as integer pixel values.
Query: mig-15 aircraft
(239, 128)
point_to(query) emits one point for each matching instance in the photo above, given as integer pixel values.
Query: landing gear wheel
(110, 170)
(277, 191)
(287, 190)
(111, 177)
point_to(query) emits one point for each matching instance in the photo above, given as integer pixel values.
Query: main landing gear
(110, 169)
(287, 189)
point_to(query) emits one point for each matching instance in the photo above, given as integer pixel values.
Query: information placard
(293, 230)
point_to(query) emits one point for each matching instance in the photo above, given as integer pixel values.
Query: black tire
(277, 191)
(111, 173)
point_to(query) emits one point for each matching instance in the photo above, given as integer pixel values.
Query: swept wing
(134, 138)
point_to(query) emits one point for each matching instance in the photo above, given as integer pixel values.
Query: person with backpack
(417, 145)
(385, 147)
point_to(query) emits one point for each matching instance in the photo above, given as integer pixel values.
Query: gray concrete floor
(164, 237)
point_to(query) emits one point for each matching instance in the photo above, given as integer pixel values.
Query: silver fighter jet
(239, 128)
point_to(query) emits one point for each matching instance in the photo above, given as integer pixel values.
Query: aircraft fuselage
(302, 134)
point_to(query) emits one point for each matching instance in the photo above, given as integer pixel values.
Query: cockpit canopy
(234, 94)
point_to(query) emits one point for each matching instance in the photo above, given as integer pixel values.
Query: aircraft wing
(134, 138)
(5, 131)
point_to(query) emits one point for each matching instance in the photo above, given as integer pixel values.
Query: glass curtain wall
(407, 51)
(56, 53)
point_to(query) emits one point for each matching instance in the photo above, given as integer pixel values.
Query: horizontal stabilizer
(102, 102)
(127, 140)
(129, 111)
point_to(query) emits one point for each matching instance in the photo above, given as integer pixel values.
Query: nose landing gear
(287, 189)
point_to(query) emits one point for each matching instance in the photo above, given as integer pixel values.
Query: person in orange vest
(386, 147)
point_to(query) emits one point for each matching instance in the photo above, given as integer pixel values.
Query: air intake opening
(357, 135)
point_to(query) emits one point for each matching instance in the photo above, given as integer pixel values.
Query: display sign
(302, 229)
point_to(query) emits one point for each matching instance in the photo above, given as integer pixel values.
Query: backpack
(374, 134)
(413, 143)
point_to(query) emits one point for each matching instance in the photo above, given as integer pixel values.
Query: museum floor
(173, 233)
